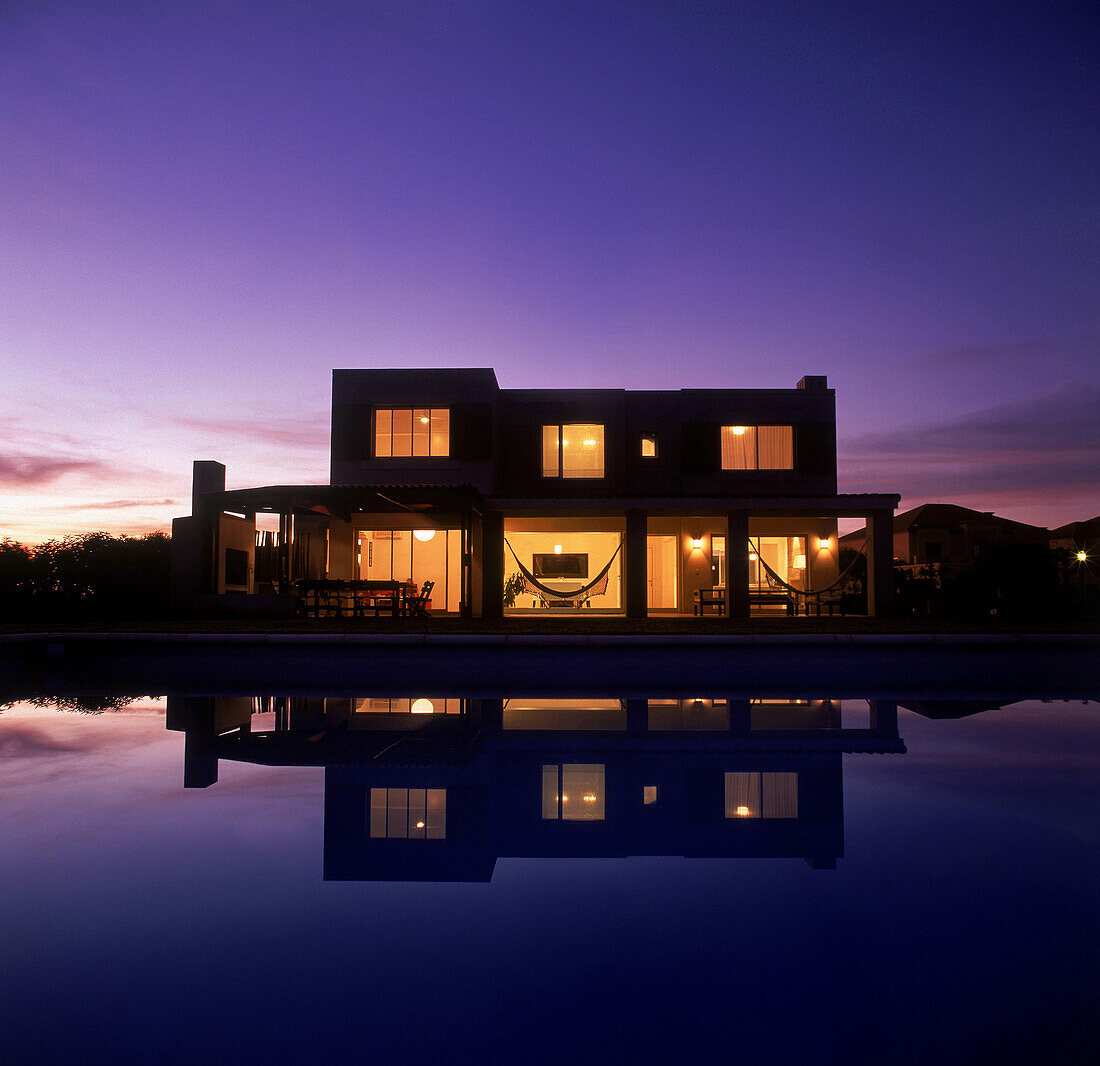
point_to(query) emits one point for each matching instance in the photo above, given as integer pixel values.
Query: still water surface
(835, 880)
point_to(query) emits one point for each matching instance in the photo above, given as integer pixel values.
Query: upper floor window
(572, 450)
(649, 447)
(757, 447)
(401, 432)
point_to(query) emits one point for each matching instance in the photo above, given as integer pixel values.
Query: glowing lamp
(590, 443)
(424, 534)
(419, 825)
(825, 543)
(589, 797)
(696, 542)
(557, 549)
(752, 557)
(1082, 557)
(738, 431)
(800, 562)
(424, 419)
(423, 707)
(744, 812)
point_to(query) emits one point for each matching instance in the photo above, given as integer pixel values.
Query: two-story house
(517, 501)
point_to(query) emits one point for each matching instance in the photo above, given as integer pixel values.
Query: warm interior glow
(425, 419)
(1082, 557)
(825, 543)
(590, 443)
(423, 707)
(738, 431)
(419, 825)
(424, 534)
(557, 549)
(743, 812)
(799, 562)
(752, 557)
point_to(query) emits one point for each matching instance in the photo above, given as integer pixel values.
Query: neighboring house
(1078, 537)
(944, 534)
(1080, 541)
(629, 499)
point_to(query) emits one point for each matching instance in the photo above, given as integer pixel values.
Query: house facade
(514, 501)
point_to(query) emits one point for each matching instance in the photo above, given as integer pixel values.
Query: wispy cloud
(985, 356)
(1042, 449)
(118, 505)
(1062, 420)
(25, 471)
(311, 432)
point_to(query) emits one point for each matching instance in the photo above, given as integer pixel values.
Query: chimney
(206, 476)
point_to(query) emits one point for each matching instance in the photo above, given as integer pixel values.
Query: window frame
(756, 446)
(412, 409)
(561, 427)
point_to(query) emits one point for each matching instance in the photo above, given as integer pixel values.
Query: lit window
(761, 795)
(757, 447)
(572, 450)
(573, 792)
(408, 813)
(649, 447)
(407, 432)
(649, 795)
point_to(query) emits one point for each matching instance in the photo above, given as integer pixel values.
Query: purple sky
(205, 207)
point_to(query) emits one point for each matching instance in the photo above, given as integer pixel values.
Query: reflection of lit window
(761, 795)
(572, 450)
(757, 447)
(573, 792)
(412, 431)
(408, 813)
(420, 705)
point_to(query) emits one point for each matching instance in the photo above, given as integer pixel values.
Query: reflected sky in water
(147, 922)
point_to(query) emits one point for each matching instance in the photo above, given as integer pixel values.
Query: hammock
(596, 587)
(774, 577)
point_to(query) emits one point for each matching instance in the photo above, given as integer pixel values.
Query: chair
(420, 604)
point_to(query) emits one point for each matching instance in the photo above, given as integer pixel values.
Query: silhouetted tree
(87, 576)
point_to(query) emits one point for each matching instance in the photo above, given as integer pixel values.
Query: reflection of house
(946, 534)
(628, 500)
(438, 789)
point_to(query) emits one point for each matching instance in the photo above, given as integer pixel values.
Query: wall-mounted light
(696, 542)
(825, 543)
(424, 534)
(422, 706)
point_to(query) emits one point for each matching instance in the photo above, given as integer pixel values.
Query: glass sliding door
(417, 556)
